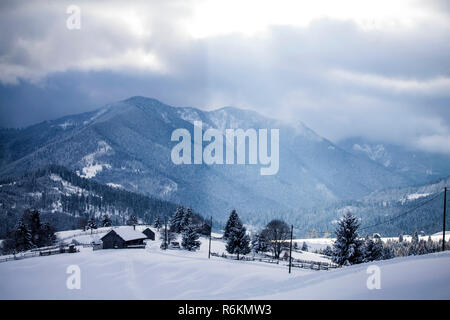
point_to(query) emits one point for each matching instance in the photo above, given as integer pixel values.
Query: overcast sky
(377, 69)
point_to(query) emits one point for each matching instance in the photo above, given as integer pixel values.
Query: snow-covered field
(217, 246)
(315, 243)
(177, 274)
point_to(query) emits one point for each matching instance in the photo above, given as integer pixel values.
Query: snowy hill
(67, 200)
(127, 145)
(175, 274)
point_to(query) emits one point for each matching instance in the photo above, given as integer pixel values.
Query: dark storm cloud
(337, 77)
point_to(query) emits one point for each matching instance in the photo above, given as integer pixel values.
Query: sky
(375, 69)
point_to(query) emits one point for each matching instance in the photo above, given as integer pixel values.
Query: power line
(443, 223)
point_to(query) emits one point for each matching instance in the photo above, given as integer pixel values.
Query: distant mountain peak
(145, 103)
(142, 99)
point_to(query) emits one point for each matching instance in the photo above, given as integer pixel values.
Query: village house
(125, 237)
(149, 233)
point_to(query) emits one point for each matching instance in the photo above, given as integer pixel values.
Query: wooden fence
(46, 248)
(84, 233)
(296, 263)
(19, 256)
(45, 251)
(313, 265)
(245, 258)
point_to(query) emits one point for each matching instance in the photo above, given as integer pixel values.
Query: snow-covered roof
(128, 234)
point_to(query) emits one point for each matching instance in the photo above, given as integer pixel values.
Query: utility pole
(443, 224)
(165, 232)
(210, 232)
(290, 250)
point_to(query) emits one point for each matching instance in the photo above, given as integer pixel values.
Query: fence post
(290, 250)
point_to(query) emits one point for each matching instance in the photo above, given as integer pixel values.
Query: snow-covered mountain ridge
(419, 166)
(127, 143)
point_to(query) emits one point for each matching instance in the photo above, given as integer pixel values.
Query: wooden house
(149, 233)
(124, 237)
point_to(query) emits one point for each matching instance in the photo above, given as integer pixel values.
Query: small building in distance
(149, 233)
(124, 237)
(174, 245)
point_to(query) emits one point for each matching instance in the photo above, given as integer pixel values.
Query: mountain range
(419, 166)
(127, 145)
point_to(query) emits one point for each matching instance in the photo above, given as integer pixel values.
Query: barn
(123, 238)
(149, 233)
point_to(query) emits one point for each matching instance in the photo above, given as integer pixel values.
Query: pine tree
(190, 239)
(422, 247)
(231, 222)
(35, 228)
(415, 238)
(189, 235)
(205, 229)
(91, 224)
(186, 221)
(347, 249)
(388, 250)
(373, 250)
(22, 237)
(176, 220)
(431, 246)
(304, 246)
(259, 243)
(157, 224)
(238, 242)
(254, 243)
(48, 236)
(414, 245)
(32, 219)
(106, 222)
(132, 220)
(328, 251)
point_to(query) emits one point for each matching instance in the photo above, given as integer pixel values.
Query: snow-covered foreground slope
(415, 277)
(176, 274)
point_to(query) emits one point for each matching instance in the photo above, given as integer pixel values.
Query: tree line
(349, 248)
(36, 189)
(29, 233)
